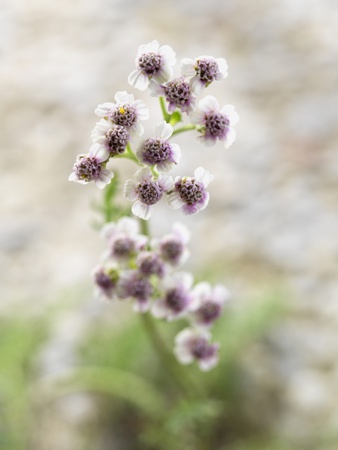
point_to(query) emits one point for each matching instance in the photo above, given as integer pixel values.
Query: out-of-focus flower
(136, 286)
(145, 191)
(208, 303)
(158, 150)
(190, 193)
(126, 112)
(195, 345)
(204, 70)
(176, 299)
(216, 123)
(152, 62)
(172, 247)
(149, 263)
(91, 167)
(105, 279)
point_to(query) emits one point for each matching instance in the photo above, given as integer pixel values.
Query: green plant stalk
(166, 116)
(188, 127)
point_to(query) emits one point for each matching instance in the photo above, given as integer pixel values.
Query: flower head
(208, 303)
(172, 247)
(91, 167)
(149, 263)
(126, 112)
(216, 122)
(145, 191)
(158, 150)
(113, 137)
(190, 193)
(204, 70)
(195, 345)
(105, 279)
(134, 285)
(124, 239)
(178, 93)
(152, 62)
(176, 299)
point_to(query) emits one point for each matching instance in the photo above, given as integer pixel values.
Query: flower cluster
(135, 266)
(147, 272)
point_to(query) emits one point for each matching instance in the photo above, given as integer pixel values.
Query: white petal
(176, 153)
(165, 182)
(197, 116)
(231, 114)
(155, 89)
(188, 67)
(128, 225)
(138, 79)
(103, 109)
(203, 176)
(164, 74)
(142, 110)
(124, 97)
(168, 54)
(208, 103)
(163, 130)
(222, 67)
(152, 46)
(221, 294)
(185, 279)
(143, 174)
(104, 179)
(197, 85)
(141, 306)
(141, 210)
(72, 177)
(184, 336)
(158, 309)
(130, 190)
(99, 152)
(230, 137)
(207, 364)
(175, 200)
(164, 166)
(182, 232)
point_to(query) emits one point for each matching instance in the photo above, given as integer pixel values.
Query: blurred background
(269, 232)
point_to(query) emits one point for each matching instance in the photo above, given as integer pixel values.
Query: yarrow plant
(135, 266)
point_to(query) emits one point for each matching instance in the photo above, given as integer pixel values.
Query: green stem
(129, 154)
(166, 116)
(184, 128)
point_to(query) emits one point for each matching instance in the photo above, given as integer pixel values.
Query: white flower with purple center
(208, 303)
(216, 123)
(204, 70)
(176, 298)
(158, 151)
(177, 92)
(190, 193)
(145, 191)
(124, 239)
(113, 137)
(149, 263)
(136, 286)
(105, 279)
(172, 247)
(194, 345)
(91, 167)
(152, 62)
(126, 112)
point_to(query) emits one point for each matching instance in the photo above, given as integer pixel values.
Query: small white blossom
(204, 70)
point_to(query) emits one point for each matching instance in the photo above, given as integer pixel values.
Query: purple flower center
(87, 168)
(178, 91)
(171, 249)
(124, 115)
(208, 312)
(207, 69)
(216, 124)
(151, 265)
(149, 192)
(123, 247)
(190, 190)
(150, 63)
(176, 300)
(201, 349)
(156, 150)
(140, 288)
(103, 280)
(117, 139)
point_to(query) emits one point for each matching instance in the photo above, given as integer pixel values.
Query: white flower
(125, 112)
(91, 167)
(158, 150)
(193, 345)
(216, 122)
(172, 247)
(152, 61)
(204, 70)
(208, 303)
(190, 193)
(145, 191)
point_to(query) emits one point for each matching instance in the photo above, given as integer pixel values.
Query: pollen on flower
(190, 190)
